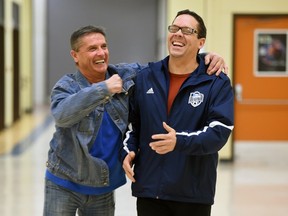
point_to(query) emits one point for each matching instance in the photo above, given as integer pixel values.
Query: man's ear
(73, 54)
(201, 43)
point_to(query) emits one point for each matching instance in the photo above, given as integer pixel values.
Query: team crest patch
(195, 98)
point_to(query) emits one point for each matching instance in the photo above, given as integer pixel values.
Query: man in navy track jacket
(180, 118)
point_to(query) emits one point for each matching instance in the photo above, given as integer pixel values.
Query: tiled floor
(256, 184)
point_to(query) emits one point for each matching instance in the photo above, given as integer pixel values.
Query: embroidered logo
(150, 91)
(195, 98)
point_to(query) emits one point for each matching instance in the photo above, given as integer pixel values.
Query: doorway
(16, 62)
(2, 67)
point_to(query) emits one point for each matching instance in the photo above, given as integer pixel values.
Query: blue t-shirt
(106, 147)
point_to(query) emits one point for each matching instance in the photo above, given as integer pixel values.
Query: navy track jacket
(201, 114)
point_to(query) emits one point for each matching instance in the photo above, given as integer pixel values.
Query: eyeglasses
(184, 30)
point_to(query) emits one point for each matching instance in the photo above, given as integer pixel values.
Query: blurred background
(250, 35)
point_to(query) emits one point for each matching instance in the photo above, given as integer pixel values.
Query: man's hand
(165, 142)
(217, 64)
(114, 84)
(128, 164)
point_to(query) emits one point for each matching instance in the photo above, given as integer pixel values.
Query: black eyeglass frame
(184, 30)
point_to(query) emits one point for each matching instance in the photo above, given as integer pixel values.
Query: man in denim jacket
(90, 108)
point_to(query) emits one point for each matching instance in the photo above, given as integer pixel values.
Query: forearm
(69, 108)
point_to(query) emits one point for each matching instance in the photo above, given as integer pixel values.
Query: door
(261, 77)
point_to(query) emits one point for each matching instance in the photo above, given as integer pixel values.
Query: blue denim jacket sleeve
(71, 100)
(73, 97)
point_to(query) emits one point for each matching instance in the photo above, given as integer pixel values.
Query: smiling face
(182, 45)
(92, 56)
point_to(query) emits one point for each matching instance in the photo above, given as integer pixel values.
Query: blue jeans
(62, 202)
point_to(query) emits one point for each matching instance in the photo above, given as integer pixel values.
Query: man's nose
(100, 52)
(179, 32)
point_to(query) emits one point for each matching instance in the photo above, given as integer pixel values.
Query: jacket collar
(201, 69)
(80, 78)
(198, 76)
(83, 82)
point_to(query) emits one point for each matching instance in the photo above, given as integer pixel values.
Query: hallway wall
(131, 27)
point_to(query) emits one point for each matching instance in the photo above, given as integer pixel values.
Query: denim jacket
(77, 107)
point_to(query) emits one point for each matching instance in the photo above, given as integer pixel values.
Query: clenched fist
(114, 84)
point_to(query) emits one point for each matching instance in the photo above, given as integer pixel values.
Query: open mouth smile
(178, 44)
(99, 61)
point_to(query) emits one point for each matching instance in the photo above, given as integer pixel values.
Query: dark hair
(75, 39)
(202, 31)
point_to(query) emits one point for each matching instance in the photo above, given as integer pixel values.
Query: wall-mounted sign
(270, 53)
